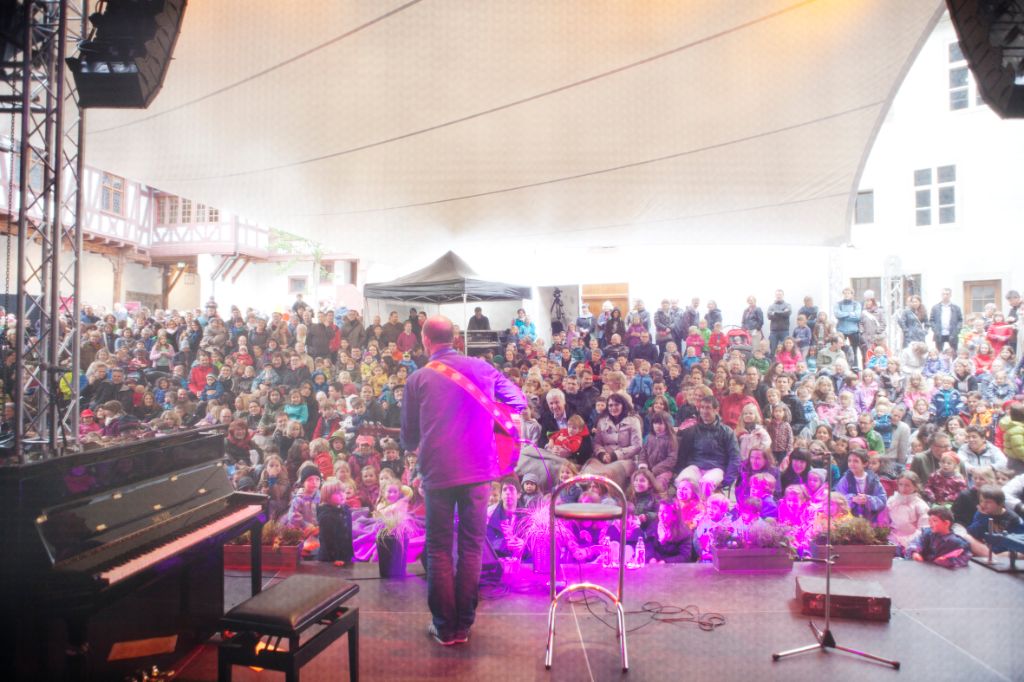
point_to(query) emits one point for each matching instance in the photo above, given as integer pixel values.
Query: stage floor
(946, 625)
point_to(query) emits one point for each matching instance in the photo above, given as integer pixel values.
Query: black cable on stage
(657, 613)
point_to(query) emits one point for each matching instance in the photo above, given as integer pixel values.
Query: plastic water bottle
(640, 556)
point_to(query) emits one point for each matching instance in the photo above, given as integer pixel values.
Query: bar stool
(587, 511)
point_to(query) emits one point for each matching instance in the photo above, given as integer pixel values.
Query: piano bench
(252, 632)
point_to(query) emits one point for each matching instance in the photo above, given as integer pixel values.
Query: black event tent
(449, 279)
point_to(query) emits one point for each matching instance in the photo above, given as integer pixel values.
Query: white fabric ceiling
(583, 121)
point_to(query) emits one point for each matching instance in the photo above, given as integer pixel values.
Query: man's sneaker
(432, 631)
(461, 636)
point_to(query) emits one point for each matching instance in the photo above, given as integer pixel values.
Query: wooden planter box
(754, 560)
(858, 556)
(286, 558)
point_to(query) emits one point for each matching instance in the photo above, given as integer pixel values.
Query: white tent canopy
(578, 121)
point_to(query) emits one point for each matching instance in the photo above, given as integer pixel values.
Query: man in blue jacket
(708, 450)
(454, 437)
(847, 314)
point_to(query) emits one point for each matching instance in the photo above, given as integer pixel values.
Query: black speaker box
(859, 600)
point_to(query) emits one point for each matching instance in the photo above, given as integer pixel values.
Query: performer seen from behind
(455, 439)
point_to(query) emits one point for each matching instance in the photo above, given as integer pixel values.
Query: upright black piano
(111, 560)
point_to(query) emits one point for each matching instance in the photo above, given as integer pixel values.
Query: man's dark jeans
(452, 590)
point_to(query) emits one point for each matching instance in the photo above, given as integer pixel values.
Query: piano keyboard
(178, 545)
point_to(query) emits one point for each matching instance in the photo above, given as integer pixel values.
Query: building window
(864, 209)
(961, 81)
(980, 293)
(167, 210)
(186, 210)
(297, 285)
(862, 284)
(935, 195)
(206, 214)
(112, 200)
(326, 271)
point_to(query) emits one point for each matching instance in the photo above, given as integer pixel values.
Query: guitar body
(506, 439)
(506, 422)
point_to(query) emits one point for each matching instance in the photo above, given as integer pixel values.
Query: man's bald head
(437, 331)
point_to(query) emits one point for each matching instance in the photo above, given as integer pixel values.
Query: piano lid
(27, 490)
(72, 528)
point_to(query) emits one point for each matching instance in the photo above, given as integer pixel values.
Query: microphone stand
(825, 639)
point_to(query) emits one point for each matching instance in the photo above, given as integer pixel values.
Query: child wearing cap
(87, 423)
(302, 511)
(531, 496)
(946, 483)
(365, 454)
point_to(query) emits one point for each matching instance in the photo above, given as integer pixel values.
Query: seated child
(392, 495)
(410, 472)
(87, 424)
(817, 488)
(839, 510)
(369, 486)
(334, 517)
(669, 540)
(691, 508)
(659, 451)
(938, 544)
(320, 454)
(863, 490)
(907, 510)
(745, 513)
(503, 523)
(572, 493)
(274, 483)
(573, 441)
(365, 454)
(992, 517)
(392, 457)
(302, 512)
(531, 496)
(643, 495)
(877, 466)
(715, 518)
(946, 483)
(793, 507)
(759, 461)
(762, 487)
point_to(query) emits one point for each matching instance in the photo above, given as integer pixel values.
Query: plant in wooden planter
(281, 546)
(857, 544)
(392, 540)
(763, 546)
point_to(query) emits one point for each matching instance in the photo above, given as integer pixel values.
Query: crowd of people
(710, 427)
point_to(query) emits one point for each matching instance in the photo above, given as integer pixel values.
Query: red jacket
(197, 378)
(731, 407)
(998, 335)
(718, 343)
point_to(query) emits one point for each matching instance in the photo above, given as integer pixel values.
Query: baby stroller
(739, 339)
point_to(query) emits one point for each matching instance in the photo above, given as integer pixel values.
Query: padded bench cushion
(587, 510)
(291, 605)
